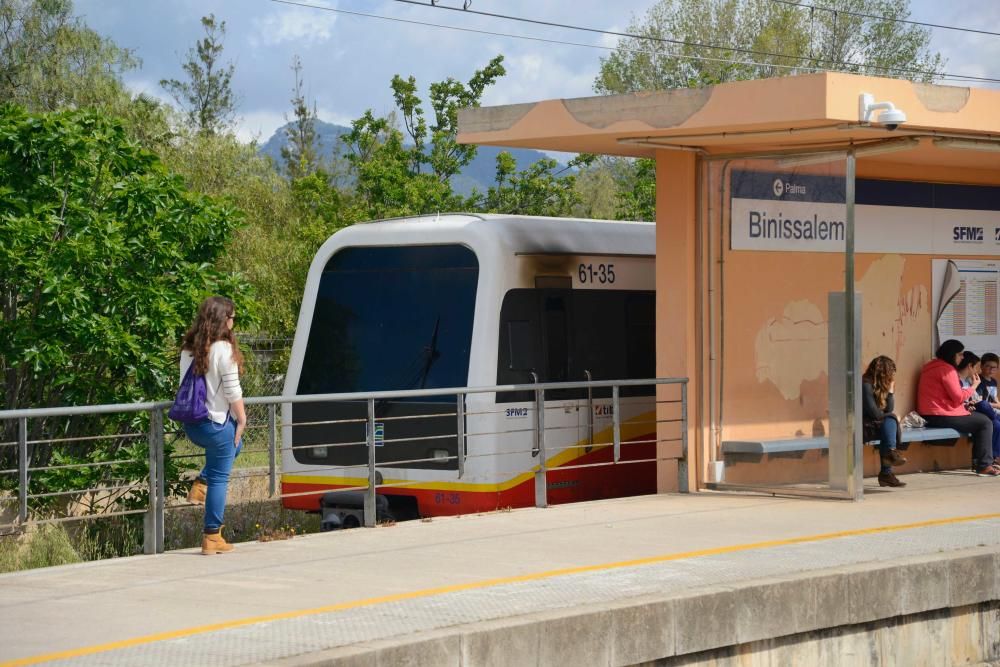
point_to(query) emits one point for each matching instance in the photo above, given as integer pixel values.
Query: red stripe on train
(565, 486)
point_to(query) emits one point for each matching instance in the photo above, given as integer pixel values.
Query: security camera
(891, 117)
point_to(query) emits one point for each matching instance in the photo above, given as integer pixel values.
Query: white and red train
(465, 300)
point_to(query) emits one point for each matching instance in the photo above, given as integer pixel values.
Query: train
(473, 300)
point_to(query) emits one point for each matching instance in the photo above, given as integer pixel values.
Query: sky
(348, 60)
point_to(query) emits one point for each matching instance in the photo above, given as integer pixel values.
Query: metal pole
(617, 424)
(22, 469)
(855, 487)
(590, 412)
(156, 425)
(272, 448)
(370, 493)
(460, 447)
(682, 464)
(149, 520)
(541, 483)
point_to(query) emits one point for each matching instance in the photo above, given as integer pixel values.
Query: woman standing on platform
(211, 347)
(878, 419)
(942, 401)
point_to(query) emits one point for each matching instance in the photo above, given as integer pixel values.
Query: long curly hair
(880, 374)
(210, 326)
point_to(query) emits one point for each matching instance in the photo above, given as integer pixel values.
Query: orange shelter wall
(774, 319)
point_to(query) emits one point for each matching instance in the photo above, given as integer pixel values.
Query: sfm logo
(967, 234)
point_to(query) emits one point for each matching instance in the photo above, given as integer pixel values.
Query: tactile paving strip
(277, 639)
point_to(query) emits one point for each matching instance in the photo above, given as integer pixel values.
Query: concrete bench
(754, 450)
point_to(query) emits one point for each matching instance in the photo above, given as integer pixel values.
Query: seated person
(878, 420)
(968, 368)
(941, 401)
(988, 404)
(989, 365)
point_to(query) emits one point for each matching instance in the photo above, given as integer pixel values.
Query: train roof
(521, 234)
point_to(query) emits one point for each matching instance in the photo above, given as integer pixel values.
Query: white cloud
(301, 25)
(259, 124)
(532, 77)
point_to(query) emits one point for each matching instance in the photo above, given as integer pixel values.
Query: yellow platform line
(427, 592)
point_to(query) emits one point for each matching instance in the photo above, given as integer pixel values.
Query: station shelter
(804, 225)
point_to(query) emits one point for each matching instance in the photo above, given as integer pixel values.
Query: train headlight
(440, 453)
(318, 452)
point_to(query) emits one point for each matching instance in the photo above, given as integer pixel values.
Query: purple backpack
(189, 406)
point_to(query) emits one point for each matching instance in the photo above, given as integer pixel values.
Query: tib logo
(779, 187)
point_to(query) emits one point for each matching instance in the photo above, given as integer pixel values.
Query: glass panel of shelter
(774, 234)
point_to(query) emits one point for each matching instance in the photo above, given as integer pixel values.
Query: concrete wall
(930, 610)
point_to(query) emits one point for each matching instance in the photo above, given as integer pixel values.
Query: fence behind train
(94, 463)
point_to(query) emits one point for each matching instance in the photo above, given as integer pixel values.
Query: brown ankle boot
(214, 543)
(199, 489)
(893, 458)
(888, 479)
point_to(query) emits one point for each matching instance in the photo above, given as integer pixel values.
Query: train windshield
(392, 318)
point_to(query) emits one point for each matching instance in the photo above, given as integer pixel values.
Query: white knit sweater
(222, 379)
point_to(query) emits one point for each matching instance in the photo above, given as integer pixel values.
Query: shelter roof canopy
(813, 111)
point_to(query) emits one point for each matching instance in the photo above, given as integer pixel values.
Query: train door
(565, 414)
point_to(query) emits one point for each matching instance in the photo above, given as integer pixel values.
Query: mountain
(479, 174)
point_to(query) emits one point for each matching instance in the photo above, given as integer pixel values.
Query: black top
(868, 405)
(983, 388)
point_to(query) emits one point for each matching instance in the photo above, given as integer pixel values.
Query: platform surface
(281, 602)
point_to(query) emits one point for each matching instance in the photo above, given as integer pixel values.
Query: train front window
(392, 318)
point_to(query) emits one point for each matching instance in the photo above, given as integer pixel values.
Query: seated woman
(941, 401)
(878, 420)
(967, 368)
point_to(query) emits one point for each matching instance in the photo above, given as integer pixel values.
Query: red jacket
(939, 391)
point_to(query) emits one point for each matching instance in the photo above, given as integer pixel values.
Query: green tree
(397, 174)
(301, 153)
(537, 190)
(206, 97)
(50, 60)
(104, 256)
(756, 39)
(393, 178)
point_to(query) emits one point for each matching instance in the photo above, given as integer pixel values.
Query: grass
(250, 515)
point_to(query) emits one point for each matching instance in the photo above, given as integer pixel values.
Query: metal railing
(555, 443)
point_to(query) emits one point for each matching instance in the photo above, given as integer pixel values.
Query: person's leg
(987, 409)
(219, 456)
(886, 443)
(888, 439)
(979, 427)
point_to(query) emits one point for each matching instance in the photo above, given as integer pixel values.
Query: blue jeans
(987, 409)
(217, 441)
(887, 436)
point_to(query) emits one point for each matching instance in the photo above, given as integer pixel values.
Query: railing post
(161, 492)
(460, 430)
(541, 483)
(272, 448)
(22, 469)
(682, 464)
(152, 530)
(590, 412)
(370, 517)
(617, 424)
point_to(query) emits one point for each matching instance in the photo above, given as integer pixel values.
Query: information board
(965, 303)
